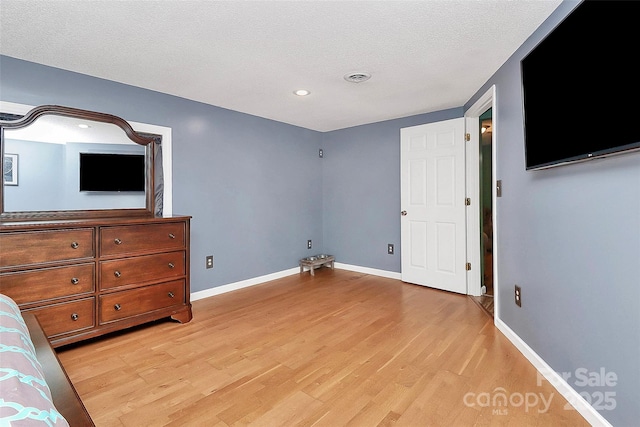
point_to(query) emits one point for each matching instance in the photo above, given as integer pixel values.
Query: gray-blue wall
(361, 190)
(570, 237)
(250, 184)
(39, 178)
(257, 191)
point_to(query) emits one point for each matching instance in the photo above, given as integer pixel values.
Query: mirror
(61, 162)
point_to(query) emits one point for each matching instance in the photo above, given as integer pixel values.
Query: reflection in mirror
(51, 167)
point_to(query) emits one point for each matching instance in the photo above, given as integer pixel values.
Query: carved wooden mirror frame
(83, 115)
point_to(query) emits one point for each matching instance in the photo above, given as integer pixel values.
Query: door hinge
(467, 201)
(467, 137)
(468, 266)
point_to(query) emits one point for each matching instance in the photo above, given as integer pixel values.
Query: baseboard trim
(284, 273)
(367, 270)
(592, 416)
(243, 284)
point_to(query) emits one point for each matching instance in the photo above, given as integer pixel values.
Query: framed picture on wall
(10, 169)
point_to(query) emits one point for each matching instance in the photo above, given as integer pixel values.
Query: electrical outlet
(518, 296)
(390, 248)
(308, 244)
(209, 263)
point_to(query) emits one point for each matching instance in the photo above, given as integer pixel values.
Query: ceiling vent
(357, 77)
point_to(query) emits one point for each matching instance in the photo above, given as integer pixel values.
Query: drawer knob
(75, 317)
(171, 265)
(117, 307)
(117, 273)
(75, 245)
(171, 295)
(75, 281)
(172, 236)
(117, 241)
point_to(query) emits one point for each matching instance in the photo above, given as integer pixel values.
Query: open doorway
(482, 229)
(486, 209)
(485, 196)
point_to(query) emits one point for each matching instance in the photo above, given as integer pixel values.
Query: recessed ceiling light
(302, 92)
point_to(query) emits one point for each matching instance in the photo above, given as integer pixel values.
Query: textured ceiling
(250, 56)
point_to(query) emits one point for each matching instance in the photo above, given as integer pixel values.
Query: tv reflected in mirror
(108, 172)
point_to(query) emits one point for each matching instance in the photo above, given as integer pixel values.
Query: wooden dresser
(85, 278)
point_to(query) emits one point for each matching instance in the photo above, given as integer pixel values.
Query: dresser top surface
(90, 222)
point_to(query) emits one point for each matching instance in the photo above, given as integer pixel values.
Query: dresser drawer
(141, 238)
(67, 317)
(34, 247)
(48, 283)
(120, 305)
(141, 269)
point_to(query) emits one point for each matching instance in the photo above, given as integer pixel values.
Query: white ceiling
(250, 56)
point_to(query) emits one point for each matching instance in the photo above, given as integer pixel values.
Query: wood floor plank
(336, 349)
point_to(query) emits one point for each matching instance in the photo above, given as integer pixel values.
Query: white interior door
(433, 222)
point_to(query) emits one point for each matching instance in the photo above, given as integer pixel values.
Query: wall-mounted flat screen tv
(112, 172)
(581, 86)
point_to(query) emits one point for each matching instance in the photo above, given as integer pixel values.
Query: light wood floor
(486, 302)
(337, 349)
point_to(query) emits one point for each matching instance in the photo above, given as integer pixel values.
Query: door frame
(472, 125)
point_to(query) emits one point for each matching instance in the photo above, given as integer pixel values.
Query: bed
(34, 388)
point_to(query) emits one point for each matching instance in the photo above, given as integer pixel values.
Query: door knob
(403, 213)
